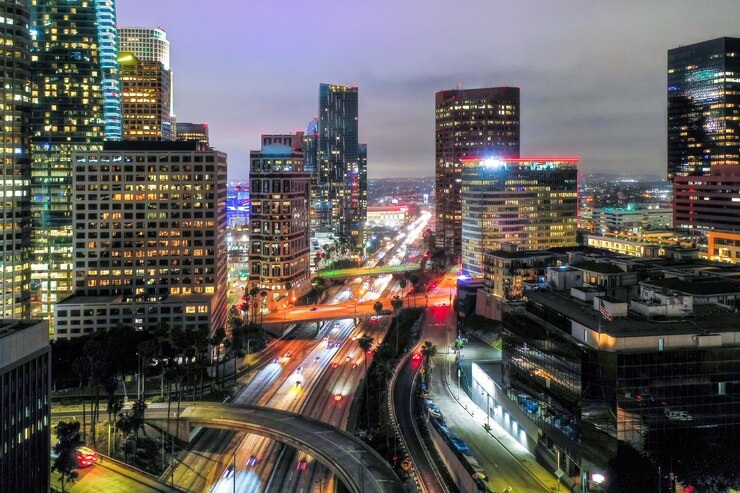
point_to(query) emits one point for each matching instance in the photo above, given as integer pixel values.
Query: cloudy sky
(591, 73)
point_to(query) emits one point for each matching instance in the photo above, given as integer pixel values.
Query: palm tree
(219, 336)
(397, 304)
(115, 405)
(253, 296)
(402, 284)
(366, 342)
(126, 425)
(415, 283)
(263, 295)
(378, 307)
(428, 351)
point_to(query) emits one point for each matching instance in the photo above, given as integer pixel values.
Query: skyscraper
(530, 202)
(477, 123)
(108, 47)
(703, 106)
(70, 49)
(145, 96)
(15, 168)
(279, 193)
(149, 45)
(340, 180)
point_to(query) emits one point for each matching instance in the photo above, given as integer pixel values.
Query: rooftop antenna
(459, 86)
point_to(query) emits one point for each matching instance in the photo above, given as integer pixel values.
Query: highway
(300, 375)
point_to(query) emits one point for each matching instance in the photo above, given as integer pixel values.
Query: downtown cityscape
(328, 247)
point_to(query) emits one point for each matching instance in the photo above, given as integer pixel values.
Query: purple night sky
(592, 74)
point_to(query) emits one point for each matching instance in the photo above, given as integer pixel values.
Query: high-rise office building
(310, 165)
(150, 44)
(703, 106)
(25, 421)
(15, 168)
(338, 202)
(70, 67)
(145, 96)
(149, 243)
(192, 131)
(531, 202)
(279, 192)
(477, 123)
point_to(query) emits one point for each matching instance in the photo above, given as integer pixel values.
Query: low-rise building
(635, 218)
(723, 246)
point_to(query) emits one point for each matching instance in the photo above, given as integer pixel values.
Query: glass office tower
(338, 203)
(469, 123)
(68, 116)
(15, 170)
(703, 106)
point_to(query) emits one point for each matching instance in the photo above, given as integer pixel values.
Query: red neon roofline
(568, 159)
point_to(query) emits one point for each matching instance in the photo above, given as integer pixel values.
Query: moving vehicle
(229, 472)
(252, 461)
(85, 456)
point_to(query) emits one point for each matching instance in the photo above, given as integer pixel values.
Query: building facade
(703, 106)
(108, 45)
(146, 92)
(192, 131)
(68, 116)
(340, 201)
(531, 202)
(150, 224)
(25, 406)
(635, 218)
(279, 261)
(709, 202)
(470, 123)
(15, 168)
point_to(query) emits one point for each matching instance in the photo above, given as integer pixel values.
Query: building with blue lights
(703, 106)
(530, 202)
(108, 47)
(72, 87)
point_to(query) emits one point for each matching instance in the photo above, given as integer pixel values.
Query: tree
(126, 426)
(366, 343)
(629, 470)
(68, 439)
(378, 307)
(115, 406)
(402, 284)
(397, 304)
(219, 336)
(428, 351)
(414, 279)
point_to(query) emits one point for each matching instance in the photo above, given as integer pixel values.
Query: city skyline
(592, 77)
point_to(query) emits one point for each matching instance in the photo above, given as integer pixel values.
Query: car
(298, 383)
(302, 465)
(85, 456)
(275, 360)
(335, 365)
(229, 472)
(349, 358)
(316, 359)
(313, 309)
(299, 369)
(337, 397)
(287, 355)
(354, 365)
(252, 461)
(416, 356)
(326, 339)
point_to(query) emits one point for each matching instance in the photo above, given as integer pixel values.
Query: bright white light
(597, 478)
(492, 163)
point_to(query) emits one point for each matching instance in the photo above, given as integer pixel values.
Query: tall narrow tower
(15, 167)
(339, 183)
(479, 123)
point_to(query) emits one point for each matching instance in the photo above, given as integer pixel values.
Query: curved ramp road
(359, 467)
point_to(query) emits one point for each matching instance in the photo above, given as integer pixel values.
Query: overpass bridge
(365, 271)
(358, 466)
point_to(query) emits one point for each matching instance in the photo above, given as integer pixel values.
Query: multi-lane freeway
(314, 374)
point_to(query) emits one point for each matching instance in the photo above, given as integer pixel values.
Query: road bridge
(358, 466)
(365, 271)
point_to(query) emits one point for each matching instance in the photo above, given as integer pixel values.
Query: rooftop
(707, 318)
(698, 286)
(600, 267)
(521, 254)
(10, 326)
(102, 300)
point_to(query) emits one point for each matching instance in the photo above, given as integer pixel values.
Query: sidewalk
(506, 462)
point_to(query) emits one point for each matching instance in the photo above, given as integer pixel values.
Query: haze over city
(592, 75)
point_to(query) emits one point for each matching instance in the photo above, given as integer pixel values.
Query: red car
(416, 356)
